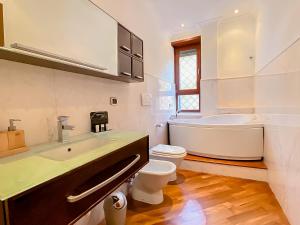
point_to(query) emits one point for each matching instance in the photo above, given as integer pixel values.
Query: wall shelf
(47, 62)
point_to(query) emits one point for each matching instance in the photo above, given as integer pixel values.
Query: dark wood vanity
(131, 54)
(66, 198)
(1, 26)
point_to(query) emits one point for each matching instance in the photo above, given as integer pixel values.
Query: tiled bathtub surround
(278, 103)
(38, 95)
(227, 95)
(227, 69)
(236, 92)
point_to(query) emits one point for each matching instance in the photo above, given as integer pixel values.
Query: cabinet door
(2, 222)
(137, 47)
(124, 65)
(1, 26)
(124, 39)
(74, 29)
(138, 69)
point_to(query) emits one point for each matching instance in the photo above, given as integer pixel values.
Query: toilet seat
(168, 150)
(159, 167)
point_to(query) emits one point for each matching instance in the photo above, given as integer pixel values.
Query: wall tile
(38, 95)
(278, 104)
(236, 93)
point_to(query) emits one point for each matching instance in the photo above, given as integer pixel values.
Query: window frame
(183, 45)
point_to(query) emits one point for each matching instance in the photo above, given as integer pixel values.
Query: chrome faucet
(63, 129)
(177, 112)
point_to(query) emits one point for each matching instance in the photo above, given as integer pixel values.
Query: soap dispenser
(99, 121)
(12, 127)
(16, 138)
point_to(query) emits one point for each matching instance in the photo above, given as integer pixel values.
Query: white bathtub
(227, 136)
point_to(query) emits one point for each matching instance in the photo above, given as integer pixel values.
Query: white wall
(278, 27)
(236, 46)
(236, 94)
(277, 96)
(227, 71)
(209, 68)
(209, 50)
(236, 42)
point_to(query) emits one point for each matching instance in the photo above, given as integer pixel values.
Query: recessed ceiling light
(236, 11)
(182, 25)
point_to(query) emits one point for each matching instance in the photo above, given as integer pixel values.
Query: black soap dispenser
(99, 121)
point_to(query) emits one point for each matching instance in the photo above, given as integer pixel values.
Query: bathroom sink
(70, 150)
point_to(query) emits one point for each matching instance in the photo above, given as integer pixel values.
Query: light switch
(113, 101)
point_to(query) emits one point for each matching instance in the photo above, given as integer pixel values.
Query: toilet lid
(168, 150)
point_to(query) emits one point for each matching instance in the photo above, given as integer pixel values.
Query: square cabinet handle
(125, 48)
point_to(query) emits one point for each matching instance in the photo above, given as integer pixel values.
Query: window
(187, 74)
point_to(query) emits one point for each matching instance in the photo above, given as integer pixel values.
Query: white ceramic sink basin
(70, 150)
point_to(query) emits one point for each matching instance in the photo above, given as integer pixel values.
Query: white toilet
(174, 154)
(148, 185)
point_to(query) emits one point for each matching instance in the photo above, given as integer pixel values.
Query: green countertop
(27, 170)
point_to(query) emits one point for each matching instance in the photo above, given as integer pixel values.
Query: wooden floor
(204, 199)
(250, 164)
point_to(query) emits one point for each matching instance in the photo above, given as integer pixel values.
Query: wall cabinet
(50, 203)
(124, 39)
(72, 29)
(137, 47)
(125, 65)
(74, 36)
(130, 59)
(137, 69)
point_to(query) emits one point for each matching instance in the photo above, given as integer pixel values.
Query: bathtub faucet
(177, 112)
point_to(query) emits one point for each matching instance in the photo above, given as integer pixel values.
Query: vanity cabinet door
(125, 65)
(2, 222)
(124, 39)
(137, 47)
(65, 199)
(1, 26)
(137, 69)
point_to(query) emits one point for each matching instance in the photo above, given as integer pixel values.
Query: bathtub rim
(229, 126)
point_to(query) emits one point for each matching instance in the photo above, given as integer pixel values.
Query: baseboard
(226, 170)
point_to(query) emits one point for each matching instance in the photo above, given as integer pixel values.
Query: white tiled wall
(227, 95)
(236, 93)
(227, 65)
(38, 95)
(278, 103)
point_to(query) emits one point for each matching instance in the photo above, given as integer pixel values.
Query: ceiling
(193, 13)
